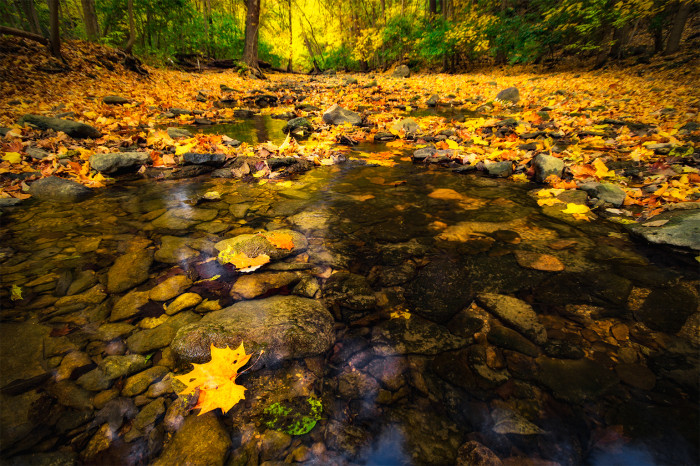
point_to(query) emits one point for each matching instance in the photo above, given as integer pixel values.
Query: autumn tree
(55, 34)
(92, 27)
(250, 49)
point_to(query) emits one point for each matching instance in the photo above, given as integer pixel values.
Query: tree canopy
(362, 34)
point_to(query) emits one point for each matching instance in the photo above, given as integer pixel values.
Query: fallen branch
(27, 35)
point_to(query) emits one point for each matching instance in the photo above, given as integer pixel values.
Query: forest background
(356, 35)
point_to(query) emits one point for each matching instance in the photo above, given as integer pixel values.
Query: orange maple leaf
(242, 262)
(216, 380)
(279, 240)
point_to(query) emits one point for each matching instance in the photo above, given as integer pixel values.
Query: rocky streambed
(420, 317)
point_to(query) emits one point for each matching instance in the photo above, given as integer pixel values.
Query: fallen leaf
(279, 240)
(216, 380)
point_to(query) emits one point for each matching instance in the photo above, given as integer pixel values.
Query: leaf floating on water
(16, 293)
(242, 262)
(216, 380)
(576, 209)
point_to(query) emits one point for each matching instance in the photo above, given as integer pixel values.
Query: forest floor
(635, 128)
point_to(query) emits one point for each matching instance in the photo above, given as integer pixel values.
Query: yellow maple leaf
(601, 171)
(216, 380)
(12, 157)
(576, 209)
(280, 240)
(550, 201)
(241, 261)
(452, 144)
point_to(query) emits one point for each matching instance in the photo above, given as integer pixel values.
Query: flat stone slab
(682, 229)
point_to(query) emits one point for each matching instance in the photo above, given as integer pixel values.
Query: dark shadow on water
(255, 130)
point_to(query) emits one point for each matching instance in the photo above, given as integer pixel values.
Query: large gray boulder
(284, 327)
(73, 129)
(337, 115)
(682, 229)
(59, 189)
(510, 94)
(402, 71)
(546, 165)
(118, 161)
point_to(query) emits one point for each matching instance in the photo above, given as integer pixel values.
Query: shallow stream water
(432, 346)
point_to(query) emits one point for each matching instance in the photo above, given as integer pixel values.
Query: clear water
(604, 389)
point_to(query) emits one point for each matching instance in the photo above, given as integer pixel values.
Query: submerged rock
(256, 284)
(253, 245)
(667, 309)
(286, 327)
(129, 270)
(575, 381)
(200, 440)
(54, 188)
(73, 129)
(413, 335)
(351, 293)
(515, 313)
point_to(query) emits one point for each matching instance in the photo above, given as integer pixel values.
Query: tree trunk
(252, 24)
(620, 38)
(679, 19)
(432, 7)
(31, 16)
(92, 28)
(291, 37)
(55, 29)
(132, 28)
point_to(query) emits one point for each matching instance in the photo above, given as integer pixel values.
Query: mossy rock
(297, 416)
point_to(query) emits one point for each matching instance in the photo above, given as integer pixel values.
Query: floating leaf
(15, 293)
(241, 261)
(280, 240)
(216, 380)
(576, 209)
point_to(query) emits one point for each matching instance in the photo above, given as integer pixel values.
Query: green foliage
(293, 416)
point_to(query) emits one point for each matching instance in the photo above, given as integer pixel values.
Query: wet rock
(115, 412)
(56, 458)
(351, 293)
(515, 313)
(389, 371)
(149, 414)
(546, 165)
(114, 367)
(115, 100)
(118, 161)
(510, 94)
(607, 192)
(510, 339)
(182, 302)
(597, 288)
(682, 229)
(401, 71)
(667, 309)
(337, 115)
(253, 245)
(575, 381)
(176, 133)
(298, 127)
(129, 270)
(383, 136)
(174, 250)
(99, 442)
(414, 335)
(307, 287)
(94, 381)
(286, 327)
(200, 440)
(354, 384)
(127, 306)
(397, 275)
(440, 290)
(182, 218)
(84, 280)
(636, 376)
(72, 361)
(563, 349)
(69, 393)
(311, 220)
(499, 169)
(94, 295)
(175, 415)
(101, 399)
(256, 284)
(170, 287)
(409, 125)
(473, 453)
(537, 261)
(139, 383)
(54, 188)
(272, 444)
(213, 159)
(507, 421)
(71, 128)
(158, 337)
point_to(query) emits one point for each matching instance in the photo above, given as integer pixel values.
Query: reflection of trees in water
(260, 126)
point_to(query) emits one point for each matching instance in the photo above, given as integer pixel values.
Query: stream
(424, 322)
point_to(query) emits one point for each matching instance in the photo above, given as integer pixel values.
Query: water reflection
(255, 130)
